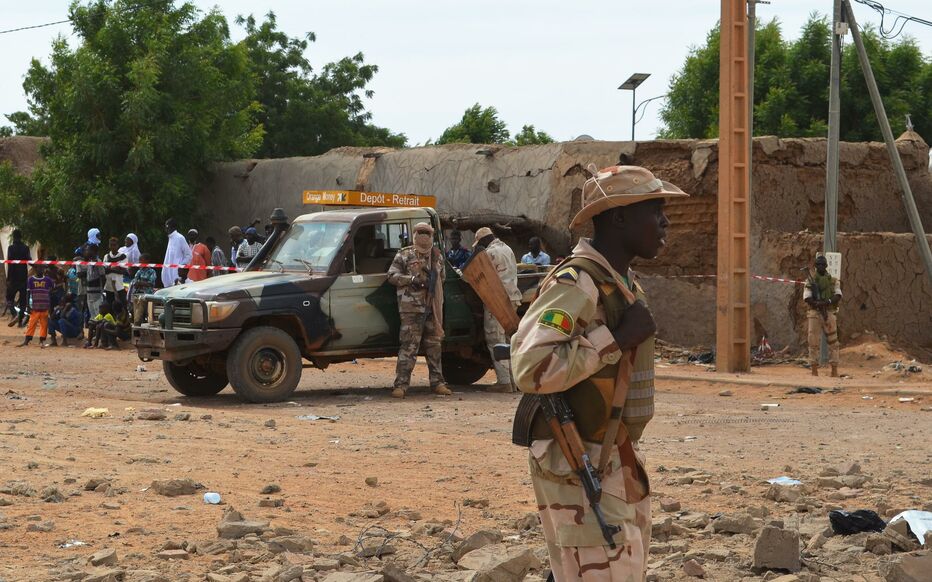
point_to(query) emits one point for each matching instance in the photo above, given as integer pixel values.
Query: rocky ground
(430, 488)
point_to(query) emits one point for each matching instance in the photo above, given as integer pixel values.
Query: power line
(34, 26)
(899, 22)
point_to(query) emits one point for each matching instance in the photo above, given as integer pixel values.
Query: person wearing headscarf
(417, 273)
(130, 248)
(93, 238)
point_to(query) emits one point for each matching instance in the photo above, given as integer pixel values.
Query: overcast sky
(556, 65)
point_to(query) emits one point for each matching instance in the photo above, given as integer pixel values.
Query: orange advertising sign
(377, 199)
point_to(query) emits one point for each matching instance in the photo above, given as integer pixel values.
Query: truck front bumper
(155, 343)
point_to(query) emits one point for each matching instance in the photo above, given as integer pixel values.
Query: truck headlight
(216, 311)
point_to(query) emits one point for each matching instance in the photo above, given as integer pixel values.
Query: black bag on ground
(846, 524)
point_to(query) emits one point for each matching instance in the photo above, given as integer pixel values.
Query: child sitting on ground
(120, 329)
(66, 320)
(95, 326)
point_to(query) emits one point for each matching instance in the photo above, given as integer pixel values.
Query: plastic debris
(315, 417)
(846, 524)
(71, 544)
(140, 368)
(690, 439)
(907, 399)
(96, 412)
(768, 406)
(212, 497)
(920, 523)
(784, 480)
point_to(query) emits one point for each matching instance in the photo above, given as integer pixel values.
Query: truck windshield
(307, 246)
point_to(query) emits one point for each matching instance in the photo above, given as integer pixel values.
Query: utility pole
(905, 191)
(733, 293)
(839, 29)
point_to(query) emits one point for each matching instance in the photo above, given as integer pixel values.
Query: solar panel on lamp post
(633, 82)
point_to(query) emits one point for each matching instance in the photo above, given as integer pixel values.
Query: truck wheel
(264, 365)
(193, 381)
(462, 371)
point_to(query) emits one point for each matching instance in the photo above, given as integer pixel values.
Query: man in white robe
(177, 253)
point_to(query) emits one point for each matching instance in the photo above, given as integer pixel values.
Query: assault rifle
(816, 295)
(559, 416)
(431, 283)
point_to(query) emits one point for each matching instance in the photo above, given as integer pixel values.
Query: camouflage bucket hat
(620, 186)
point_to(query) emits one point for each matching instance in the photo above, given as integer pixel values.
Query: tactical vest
(591, 399)
(826, 285)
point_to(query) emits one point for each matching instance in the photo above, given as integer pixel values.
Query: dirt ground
(430, 455)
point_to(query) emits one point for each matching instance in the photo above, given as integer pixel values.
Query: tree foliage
(152, 94)
(791, 86)
(478, 125)
(482, 125)
(530, 136)
(304, 113)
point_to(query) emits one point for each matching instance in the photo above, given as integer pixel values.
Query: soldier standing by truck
(588, 341)
(506, 266)
(417, 272)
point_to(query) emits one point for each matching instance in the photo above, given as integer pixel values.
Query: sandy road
(429, 453)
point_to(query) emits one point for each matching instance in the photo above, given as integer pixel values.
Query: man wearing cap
(822, 315)
(589, 337)
(248, 248)
(420, 305)
(503, 258)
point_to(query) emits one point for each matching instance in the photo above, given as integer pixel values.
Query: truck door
(363, 305)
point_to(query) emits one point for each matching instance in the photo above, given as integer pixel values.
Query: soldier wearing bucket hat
(590, 336)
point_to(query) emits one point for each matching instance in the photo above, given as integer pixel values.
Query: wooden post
(733, 295)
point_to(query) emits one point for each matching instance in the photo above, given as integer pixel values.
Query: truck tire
(461, 371)
(264, 365)
(193, 381)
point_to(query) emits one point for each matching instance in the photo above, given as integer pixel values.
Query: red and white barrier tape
(121, 265)
(210, 268)
(759, 277)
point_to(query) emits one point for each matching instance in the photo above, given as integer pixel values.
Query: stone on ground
(499, 563)
(777, 549)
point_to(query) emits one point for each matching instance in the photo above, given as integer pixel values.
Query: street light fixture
(633, 82)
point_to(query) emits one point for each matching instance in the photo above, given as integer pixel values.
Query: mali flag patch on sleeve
(557, 319)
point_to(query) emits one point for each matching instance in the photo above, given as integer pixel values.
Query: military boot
(834, 370)
(398, 392)
(442, 390)
(815, 369)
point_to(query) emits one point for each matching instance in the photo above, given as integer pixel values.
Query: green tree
(529, 136)
(150, 97)
(791, 86)
(303, 113)
(478, 125)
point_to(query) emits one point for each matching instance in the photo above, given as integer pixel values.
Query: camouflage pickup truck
(316, 294)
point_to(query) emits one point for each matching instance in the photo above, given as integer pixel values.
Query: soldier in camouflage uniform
(822, 315)
(565, 345)
(420, 308)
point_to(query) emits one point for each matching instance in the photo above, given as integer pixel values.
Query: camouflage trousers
(415, 338)
(495, 334)
(574, 541)
(817, 326)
